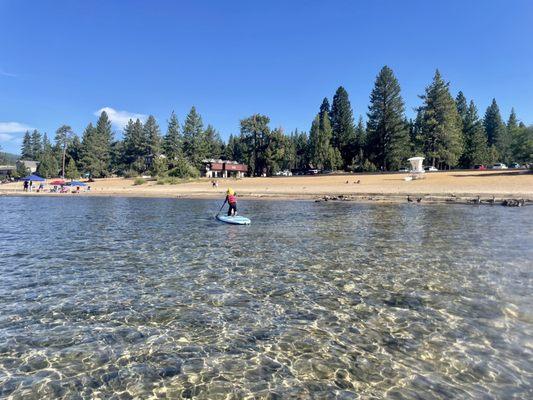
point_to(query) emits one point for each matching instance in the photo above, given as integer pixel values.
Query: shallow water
(152, 298)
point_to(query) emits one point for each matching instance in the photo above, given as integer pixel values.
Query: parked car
(481, 167)
(514, 165)
(403, 170)
(430, 169)
(499, 166)
(313, 172)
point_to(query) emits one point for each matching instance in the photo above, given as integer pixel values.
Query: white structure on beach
(417, 168)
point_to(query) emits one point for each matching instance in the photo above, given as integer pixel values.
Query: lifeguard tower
(417, 168)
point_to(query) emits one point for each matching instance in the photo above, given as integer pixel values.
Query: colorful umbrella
(57, 182)
(35, 178)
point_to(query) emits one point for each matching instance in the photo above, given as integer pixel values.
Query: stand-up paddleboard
(237, 220)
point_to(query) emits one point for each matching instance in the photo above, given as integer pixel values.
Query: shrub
(183, 169)
(139, 181)
(131, 173)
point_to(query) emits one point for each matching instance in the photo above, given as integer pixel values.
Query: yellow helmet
(230, 191)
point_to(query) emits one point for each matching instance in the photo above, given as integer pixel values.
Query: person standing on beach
(25, 186)
(231, 199)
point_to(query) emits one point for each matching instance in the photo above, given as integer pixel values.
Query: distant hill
(8, 158)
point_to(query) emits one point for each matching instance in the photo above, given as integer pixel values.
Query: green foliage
(96, 148)
(36, 145)
(213, 142)
(522, 145)
(368, 166)
(255, 134)
(71, 171)
(342, 125)
(494, 125)
(48, 167)
(475, 138)
(322, 154)
(139, 181)
(173, 141)
(195, 146)
(21, 170)
(27, 147)
(183, 169)
(159, 166)
(387, 132)
(441, 126)
(152, 137)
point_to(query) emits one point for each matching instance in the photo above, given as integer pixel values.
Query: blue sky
(62, 61)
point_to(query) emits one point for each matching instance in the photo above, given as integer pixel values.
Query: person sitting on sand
(231, 199)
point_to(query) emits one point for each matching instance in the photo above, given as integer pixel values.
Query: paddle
(223, 204)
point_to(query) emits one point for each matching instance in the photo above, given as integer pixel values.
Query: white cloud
(13, 127)
(6, 137)
(120, 118)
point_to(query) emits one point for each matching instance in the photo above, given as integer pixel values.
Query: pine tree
(48, 166)
(342, 125)
(462, 106)
(36, 145)
(441, 125)
(324, 107)
(213, 141)
(476, 150)
(62, 138)
(101, 146)
(497, 131)
(322, 153)
(173, 143)
(254, 133)
(90, 151)
(194, 144)
(71, 170)
(27, 147)
(493, 123)
(152, 135)
(388, 135)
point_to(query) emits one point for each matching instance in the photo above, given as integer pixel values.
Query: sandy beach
(437, 186)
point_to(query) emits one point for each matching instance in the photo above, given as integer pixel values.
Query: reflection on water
(142, 298)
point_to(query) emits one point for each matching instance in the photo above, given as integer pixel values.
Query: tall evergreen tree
(152, 135)
(27, 148)
(321, 152)
(497, 132)
(36, 144)
(194, 143)
(101, 146)
(173, 143)
(91, 150)
(494, 125)
(462, 106)
(342, 125)
(324, 107)
(475, 151)
(62, 138)
(214, 143)
(388, 135)
(48, 166)
(255, 132)
(71, 170)
(135, 147)
(441, 125)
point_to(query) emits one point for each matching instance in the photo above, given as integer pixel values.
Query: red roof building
(224, 169)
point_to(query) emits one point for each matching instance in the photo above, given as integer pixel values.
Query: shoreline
(383, 198)
(450, 187)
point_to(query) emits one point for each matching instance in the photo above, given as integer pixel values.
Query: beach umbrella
(76, 183)
(57, 182)
(34, 178)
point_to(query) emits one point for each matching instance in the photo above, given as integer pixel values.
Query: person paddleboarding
(231, 199)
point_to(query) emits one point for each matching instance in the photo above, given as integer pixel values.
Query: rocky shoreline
(506, 201)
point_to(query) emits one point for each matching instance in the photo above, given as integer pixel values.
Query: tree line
(447, 131)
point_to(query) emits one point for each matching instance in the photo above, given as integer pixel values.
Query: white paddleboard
(237, 220)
